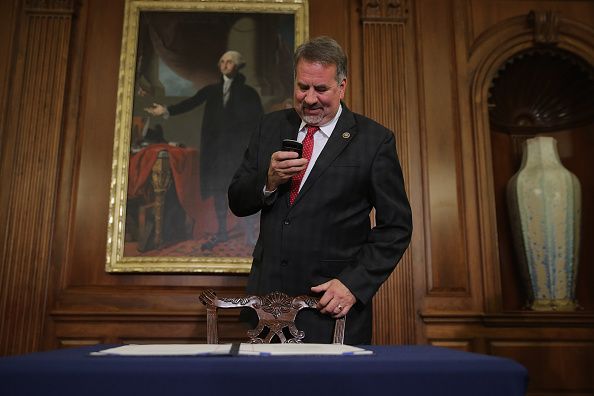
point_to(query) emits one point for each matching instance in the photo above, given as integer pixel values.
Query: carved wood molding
(545, 26)
(276, 313)
(88, 316)
(512, 319)
(534, 110)
(385, 10)
(49, 5)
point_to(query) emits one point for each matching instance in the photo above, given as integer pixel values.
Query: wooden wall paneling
(116, 314)
(546, 343)
(127, 300)
(555, 365)
(411, 271)
(446, 272)
(557, 351)
(141, 328)
(9, 17)
(133, 327)
(459, 344)
(469, 200)
(509, 326)
(487, 13)
(30, 166)
(70, 158)
(385, 97)
(452, 265)
(61, 241)
(96, 121)
(355, 61)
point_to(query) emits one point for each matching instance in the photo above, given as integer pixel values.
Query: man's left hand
(337, 299)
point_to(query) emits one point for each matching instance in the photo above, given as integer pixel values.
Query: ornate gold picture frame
(179, 133)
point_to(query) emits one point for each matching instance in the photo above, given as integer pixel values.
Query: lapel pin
(346, 135)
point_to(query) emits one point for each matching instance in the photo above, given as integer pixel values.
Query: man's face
(317, 94)
(227, 66)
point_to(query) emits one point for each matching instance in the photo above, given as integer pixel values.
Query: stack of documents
(232, 350)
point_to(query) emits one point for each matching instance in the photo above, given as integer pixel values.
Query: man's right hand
(283, 165)
(155, 110)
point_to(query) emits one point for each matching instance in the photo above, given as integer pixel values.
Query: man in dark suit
(321, 241)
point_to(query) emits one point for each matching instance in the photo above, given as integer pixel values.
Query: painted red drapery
(184, 166)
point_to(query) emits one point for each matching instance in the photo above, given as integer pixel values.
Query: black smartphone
(292, 145)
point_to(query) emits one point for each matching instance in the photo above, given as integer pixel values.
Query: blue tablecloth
(391, 370)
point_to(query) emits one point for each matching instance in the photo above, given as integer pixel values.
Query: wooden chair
(276, 316)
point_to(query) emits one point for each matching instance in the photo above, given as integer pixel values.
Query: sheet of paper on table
(232, 349)
(301, 349)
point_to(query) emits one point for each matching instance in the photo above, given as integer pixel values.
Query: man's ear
(342, 88)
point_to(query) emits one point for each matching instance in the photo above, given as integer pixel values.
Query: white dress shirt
(320, 139)
(226, 86)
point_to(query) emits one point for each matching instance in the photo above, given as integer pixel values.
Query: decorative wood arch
(489, 51)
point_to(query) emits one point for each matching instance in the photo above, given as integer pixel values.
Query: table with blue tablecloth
(390, 370)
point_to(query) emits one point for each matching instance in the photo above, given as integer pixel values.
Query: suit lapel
(289, 131)
(344, 131)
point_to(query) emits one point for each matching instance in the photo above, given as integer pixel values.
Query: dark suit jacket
(225, 130)
(327, 234)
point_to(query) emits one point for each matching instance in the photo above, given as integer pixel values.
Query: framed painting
(195, 77)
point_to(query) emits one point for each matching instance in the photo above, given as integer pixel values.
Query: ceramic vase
(544, 201)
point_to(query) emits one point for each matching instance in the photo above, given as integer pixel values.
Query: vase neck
(541, 151)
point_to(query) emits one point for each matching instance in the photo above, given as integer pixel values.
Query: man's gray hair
(236, 57)
(324, 50)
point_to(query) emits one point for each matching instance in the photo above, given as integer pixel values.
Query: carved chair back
(276, 316)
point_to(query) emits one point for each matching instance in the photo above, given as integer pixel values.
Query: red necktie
(308, 144)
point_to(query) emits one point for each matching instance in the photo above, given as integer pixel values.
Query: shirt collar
(327, 128)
